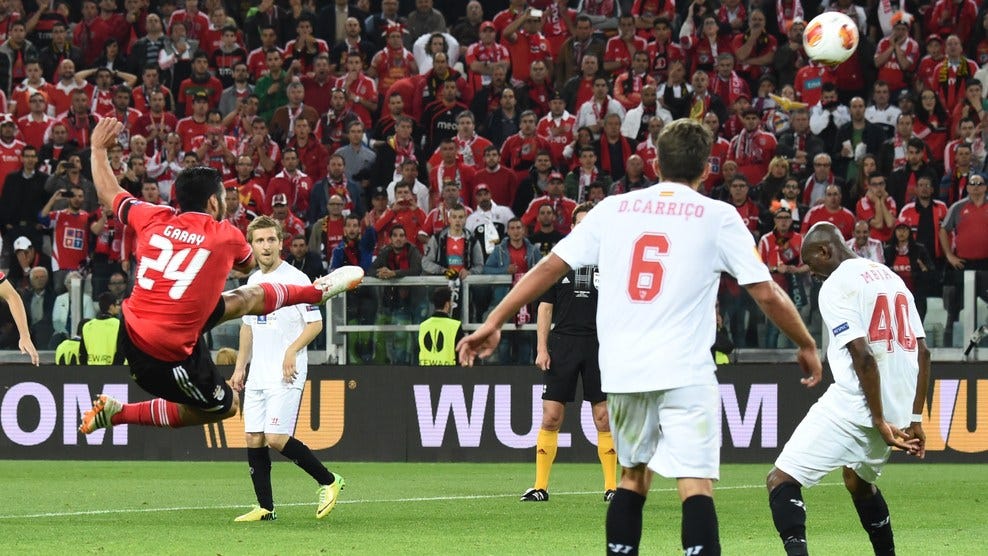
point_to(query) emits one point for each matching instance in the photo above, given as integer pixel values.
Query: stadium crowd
(409, 136)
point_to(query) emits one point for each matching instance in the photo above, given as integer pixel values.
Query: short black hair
(194, 186)
(105, 301)
(441, 296)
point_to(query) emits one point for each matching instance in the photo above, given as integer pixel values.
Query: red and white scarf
(786, 14)
(402, 153)
(742, 147)
(464, 149)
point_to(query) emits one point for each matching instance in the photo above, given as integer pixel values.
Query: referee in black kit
(564, 355)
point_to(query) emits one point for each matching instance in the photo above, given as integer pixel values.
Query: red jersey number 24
(645, 282)
(169, 263)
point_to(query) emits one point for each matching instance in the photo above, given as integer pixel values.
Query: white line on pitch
(377, 501)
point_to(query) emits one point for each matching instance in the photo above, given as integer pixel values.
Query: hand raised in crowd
(106, 134)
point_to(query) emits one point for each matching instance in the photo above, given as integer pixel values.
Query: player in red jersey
(175, 293)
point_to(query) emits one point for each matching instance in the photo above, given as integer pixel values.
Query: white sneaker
(340, 280)
(101, 415)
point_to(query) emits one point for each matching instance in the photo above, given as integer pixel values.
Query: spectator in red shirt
(832, 211)
(196, 22)
(954, 17)
(755, 48)
(78, 121)
(525, 43)
(312, 155)
(201, 81)
(404, 211)
(151, 83)
(450, 169)
(361, 92)
(753, 149)
(554, 197)
(748, 209)
(780, 250)
(194, 125)
(292, 182)
(485, 55)
(502, 182)
(620, 50)
(319, 84)
(949, 77)
(90, 34)
(155, 124)
(72, 225)
(966, 221)
(877, 208)
(306, 47)
(629, 84)
(251, 194)
(34, 125)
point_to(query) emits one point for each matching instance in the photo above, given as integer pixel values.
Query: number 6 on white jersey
(168, 263)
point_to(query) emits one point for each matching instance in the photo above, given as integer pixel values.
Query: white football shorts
(675, 432)
(271, 410)
(825, 441)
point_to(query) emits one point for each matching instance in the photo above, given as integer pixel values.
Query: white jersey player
(275, 346)
(881, 366)
(660, 252)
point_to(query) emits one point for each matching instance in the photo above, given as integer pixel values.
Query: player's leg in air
(259, 460)
(873, 512)
(192, 392)
(264, 298)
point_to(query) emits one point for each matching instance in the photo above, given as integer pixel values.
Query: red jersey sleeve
(135, 213)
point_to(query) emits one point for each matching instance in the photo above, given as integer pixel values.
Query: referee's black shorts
(572, 358)
(194, 381)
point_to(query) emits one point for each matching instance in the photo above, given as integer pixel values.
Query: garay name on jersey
(183, 235)
(662, 208)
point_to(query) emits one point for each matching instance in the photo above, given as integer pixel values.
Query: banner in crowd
(482, 414)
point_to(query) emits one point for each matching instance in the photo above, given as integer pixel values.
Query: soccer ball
(830, 38)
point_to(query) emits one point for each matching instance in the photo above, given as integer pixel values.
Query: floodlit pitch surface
(188, 508)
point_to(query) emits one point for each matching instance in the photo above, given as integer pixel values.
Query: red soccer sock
(277, 296)
(153, 413)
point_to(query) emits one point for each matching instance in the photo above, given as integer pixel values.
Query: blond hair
(226, 356)
(262, 222)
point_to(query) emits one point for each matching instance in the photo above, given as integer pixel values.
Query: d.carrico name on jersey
(662, 208)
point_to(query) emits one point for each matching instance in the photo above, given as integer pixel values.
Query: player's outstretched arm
(16, 306)
(915, 428)
(866, 368)
(105, 136)
(483, 341)
(778, 307)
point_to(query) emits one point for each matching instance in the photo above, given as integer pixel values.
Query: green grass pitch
(188, 508)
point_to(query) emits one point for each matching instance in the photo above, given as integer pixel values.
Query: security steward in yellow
(439, 333)
(99, 335)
